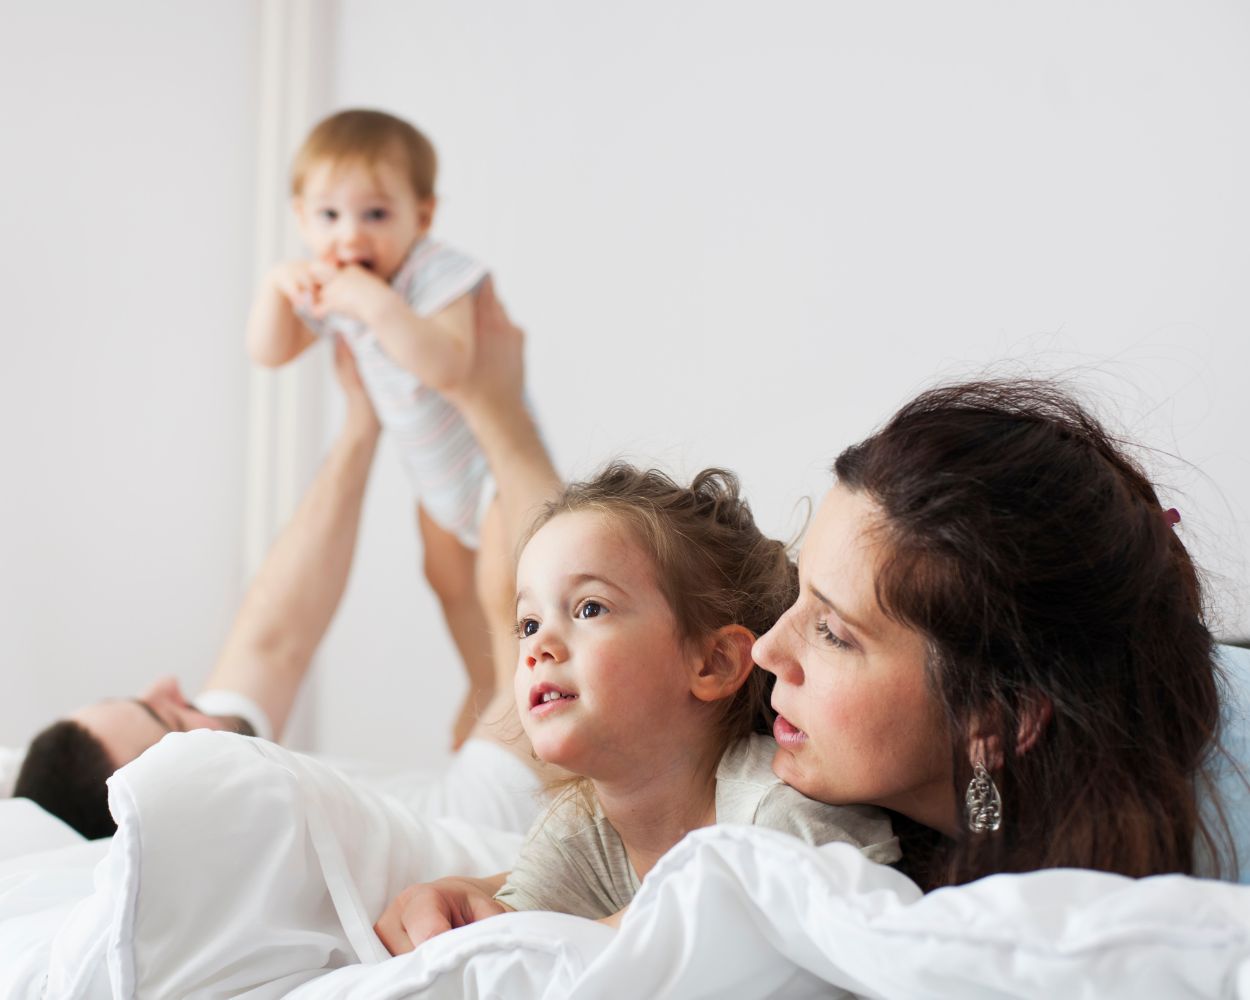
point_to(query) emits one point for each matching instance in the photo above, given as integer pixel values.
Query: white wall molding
(285, 407)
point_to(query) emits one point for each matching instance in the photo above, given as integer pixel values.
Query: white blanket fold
(241, 869)
(246, 869)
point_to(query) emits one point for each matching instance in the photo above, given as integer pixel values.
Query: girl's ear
(725, 664)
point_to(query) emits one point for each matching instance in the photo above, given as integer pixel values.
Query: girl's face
(603, 678)
(857, 722)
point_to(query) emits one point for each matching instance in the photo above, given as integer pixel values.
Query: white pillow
(1231, 768)
(26, 828)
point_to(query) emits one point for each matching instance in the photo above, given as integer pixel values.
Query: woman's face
(857, 723)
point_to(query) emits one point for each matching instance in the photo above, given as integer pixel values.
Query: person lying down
(638, 602)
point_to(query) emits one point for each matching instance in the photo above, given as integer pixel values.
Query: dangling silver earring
(983, 804)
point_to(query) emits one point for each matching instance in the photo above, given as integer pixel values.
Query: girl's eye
(375, 215)
(526, 627)
(328, 214)
(826, 633)
(589, 609)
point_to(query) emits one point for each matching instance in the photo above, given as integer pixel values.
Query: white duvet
(241, 869)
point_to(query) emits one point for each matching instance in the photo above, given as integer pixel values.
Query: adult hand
(496, 374)
(359, 405)
(429, 908)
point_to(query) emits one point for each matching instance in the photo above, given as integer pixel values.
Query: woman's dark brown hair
(1033, 555)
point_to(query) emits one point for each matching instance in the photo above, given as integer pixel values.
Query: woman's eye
(589, 609)
(826, 633)
(526, 627)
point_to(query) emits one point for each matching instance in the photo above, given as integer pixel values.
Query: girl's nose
(545, 644)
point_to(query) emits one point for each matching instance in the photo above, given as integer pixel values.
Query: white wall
(741, 233)
(126, 211)
(738, 233)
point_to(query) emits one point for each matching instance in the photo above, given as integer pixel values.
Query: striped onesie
(445, 466)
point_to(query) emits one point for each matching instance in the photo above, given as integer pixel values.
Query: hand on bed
(429, 908)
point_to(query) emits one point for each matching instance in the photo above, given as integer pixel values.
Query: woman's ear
(1034, 716)
(725, 664)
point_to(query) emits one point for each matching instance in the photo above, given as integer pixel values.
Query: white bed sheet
(755, 915)
(37, 893)
(243, 869)
(279, 901)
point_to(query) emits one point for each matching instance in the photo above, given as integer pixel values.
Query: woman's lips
(787, 734)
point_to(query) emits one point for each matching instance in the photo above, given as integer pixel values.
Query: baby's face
(366, 214)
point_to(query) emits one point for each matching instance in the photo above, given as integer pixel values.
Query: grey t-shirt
(574, 861)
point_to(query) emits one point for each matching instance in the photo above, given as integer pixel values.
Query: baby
(638, 602)
(362, 188)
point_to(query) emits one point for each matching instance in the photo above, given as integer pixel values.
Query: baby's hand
(422, 911)
(297, 281)
(351, 291)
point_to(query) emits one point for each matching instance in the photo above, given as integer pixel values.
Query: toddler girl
(638, 602)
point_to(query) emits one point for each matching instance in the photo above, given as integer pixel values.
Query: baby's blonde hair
(368, 137)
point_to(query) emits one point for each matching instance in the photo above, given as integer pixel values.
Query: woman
(999, 637)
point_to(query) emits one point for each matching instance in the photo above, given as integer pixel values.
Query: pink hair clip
(1172, 516)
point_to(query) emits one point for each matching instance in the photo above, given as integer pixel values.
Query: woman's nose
(773, 653)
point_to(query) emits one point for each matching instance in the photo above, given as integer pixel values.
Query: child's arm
(429, 908)
(275, 334)
(437, 349)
